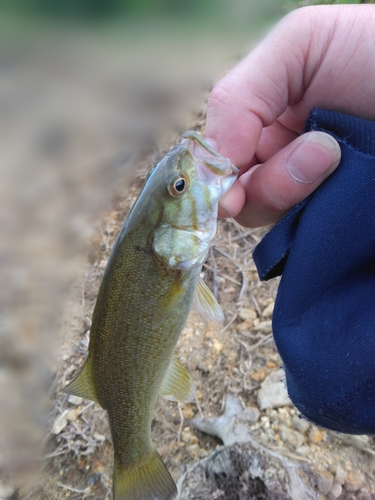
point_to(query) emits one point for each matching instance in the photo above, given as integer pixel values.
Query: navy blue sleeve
(324, 316)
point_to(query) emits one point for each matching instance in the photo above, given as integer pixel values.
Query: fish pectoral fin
(205, 302)
(148, 479)
(169, 302)
(83, 385)
(177, 384)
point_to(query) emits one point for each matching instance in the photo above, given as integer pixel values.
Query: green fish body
(152, 278)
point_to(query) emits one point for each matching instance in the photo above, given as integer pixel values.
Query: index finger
(260, 88)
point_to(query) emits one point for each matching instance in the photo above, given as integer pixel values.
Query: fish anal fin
(205, 302)
(83, 384)
(177, 384)
(147, 480)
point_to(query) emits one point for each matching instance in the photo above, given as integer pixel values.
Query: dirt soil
(232, 358)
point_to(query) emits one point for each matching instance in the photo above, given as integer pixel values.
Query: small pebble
(260, 374)
(316, 435)
(186, 435)
(193, 450)
(340, 475)
(247, 314)
(335, 492)
(359, 441)
(300, 424)
(354, 480)
(324, 481)
(75, 400)
(72, 415)
(99, 437)
(265, 422)
(218, 346)
(250, 414)
(187, 412)
(245, 326)
(264, 327)
(291, 437)
(303, 450)
(271, 364)
(267, 311)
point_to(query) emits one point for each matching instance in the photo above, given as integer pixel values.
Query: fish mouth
(214, 165)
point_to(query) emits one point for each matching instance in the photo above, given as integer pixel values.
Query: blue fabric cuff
(324, 316)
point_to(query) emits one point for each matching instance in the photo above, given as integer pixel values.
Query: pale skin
(322, 56)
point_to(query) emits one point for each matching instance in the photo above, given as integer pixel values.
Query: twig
(214, 271)
(256, 305)
(75, 490)
(59, 451)
(199, 407)
(182, 419)
(225, 276)
(230, 322)
(251, 348)
(86, 407)
(244, 278)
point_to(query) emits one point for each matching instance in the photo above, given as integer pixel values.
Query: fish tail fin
(146, 480)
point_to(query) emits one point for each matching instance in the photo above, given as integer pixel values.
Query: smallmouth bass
(150, 282)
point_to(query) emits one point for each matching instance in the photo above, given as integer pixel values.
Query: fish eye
(178, 186)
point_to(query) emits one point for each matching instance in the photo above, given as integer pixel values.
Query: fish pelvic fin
(177, 384)
(205, 302)
(146, 480)
(83, 384)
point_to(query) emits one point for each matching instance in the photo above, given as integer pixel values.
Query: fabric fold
(324, 316)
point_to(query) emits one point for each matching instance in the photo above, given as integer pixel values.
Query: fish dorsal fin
(147, 479)
(205, 302)
(83, 384)
(177, 384)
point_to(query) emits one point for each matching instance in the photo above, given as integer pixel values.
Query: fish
(151, 280)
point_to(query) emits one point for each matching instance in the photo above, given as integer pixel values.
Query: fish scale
(152, 278)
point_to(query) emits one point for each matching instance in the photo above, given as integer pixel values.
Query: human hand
(321, 56)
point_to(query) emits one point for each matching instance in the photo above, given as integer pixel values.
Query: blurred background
(86, 88)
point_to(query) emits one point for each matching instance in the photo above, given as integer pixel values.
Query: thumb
(266, 192)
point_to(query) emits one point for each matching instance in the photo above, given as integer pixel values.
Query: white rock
(303, 450)
(267, 311)
(75, 400)
(358, 440)
(247, 314)
(250, 415)
(340, 476)
(291, 437)
(324, 482)
(6, 490)
(264, 327)
(335, 492)
(60, 423)
(273, 393)
(99, 437)
(300, 424)
(73, 414)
